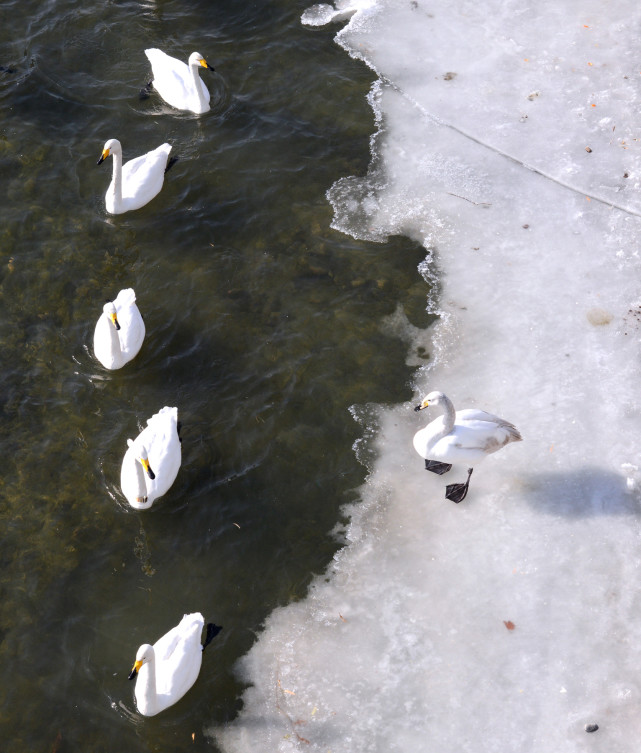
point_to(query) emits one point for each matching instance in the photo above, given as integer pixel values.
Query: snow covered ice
(508, 145)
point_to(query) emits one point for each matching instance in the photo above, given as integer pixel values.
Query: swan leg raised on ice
(437, 467)
(460, 437)
(458, 492)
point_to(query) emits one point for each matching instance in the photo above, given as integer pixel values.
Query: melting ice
(508, 145)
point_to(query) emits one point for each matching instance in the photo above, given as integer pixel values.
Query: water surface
(263, 326)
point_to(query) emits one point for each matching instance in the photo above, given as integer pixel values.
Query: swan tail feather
(126, 297)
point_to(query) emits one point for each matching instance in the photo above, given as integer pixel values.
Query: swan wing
(160, 437)
(143, 177)
(482, 436)
(487, 423)
(173, 80)
(146, 167)
(475, 435)
(178, 656)
(163, 64)
(459, 447)
(132, 326)
(472, 414)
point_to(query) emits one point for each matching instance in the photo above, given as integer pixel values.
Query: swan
(152, 460)
(465, 436)
(135, 183)
(167, 670)
(119, 331)
(179, 84)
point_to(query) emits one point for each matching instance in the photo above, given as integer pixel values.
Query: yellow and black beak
(135, 668)
(103, 156)
(205, 64)
(114, 319)
(145, 464)
(424, 404)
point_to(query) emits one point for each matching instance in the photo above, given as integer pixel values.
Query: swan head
(144, 655)
(143, 459)
(197, 59)
(434, 398)
(111, 146)
(110, 311)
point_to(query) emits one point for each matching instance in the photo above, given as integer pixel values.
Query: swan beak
(114, 319)
(205, 64)
(103, 156)
(135, 669)
(145, 464)
(424, 404)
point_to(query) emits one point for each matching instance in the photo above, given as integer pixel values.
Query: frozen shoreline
(404, 643)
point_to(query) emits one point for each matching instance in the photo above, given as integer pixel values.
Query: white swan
(135, 183)
(465, 436)
(179, 84)
(119, 331)
(151, 463)
(167, 670)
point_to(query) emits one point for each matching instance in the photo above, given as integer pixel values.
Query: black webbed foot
(458, 492)
(145, 91)
(212, 632)
(171, 163)
(436, 467)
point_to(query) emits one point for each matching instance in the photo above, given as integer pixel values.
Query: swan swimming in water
(465, 436)
(152, 460)
(119, 331)
(166, 670)
(179, 84)
(135, 183)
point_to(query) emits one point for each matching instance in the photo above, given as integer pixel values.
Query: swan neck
(114, 341)
(193, 67)
(449, 414)
(148, 696)
(117, 177)
(141, 484)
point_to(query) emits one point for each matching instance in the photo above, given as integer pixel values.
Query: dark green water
(263, 327)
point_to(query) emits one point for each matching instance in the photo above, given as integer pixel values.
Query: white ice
(322, 14)
(508, 145)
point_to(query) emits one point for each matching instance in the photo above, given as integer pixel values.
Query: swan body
(457, 437)
(119, 331)
(152, 460)
(135, 183)
(166, 670)
(179, 84)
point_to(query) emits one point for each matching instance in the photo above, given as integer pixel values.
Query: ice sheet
(508, 145)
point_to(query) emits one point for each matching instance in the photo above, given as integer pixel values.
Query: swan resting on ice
(152, 460)
(119, 331)
(464, 436)
(179, 84)
(166, 670)
(135, 183)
